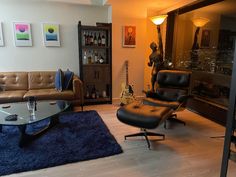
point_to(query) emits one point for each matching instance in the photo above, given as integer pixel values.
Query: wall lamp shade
(158, 20)
(200, 21)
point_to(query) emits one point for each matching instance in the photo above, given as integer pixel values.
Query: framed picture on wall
(22, 34)
(51, 36)
(205, 41)
(129, 36)
(1, 36)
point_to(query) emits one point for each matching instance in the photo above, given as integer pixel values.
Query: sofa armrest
(78, 89)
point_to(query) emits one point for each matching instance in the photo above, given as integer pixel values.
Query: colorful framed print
(1, 36)
(51, 36)
(129, 36)
(22, 34)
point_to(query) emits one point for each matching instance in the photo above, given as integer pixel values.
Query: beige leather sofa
(18, 86)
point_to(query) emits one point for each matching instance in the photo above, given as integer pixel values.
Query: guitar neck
(127, 76)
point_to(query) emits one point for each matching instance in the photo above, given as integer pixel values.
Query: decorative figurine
(155, 60)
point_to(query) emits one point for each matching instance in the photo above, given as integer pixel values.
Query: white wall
(39, 57)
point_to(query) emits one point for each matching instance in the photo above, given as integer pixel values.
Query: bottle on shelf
(99, 40)
(87, 41)
(95, 57)
(93, 92)
(97, 94)
(87, 95)
(89, 57)
(104, 94)
(91, 38)
(92, 57)
(101, 59)
(85, 59)
(107, 90)
(84, 38)
(95, 41)
(103, 40)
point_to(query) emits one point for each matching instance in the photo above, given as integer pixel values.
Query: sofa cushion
(68, 76)
(12, 96)
(59, 80)
(41, 80)
(13, 81)
(50, 94)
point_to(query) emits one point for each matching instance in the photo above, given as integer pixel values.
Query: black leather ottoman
(144, 117)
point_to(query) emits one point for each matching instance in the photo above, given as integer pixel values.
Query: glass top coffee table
(24, 117)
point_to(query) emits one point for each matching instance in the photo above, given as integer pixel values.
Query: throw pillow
(59, 79)
(68, 76)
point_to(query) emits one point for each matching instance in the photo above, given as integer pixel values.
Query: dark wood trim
(230, 125)
(80, 53)
(208, 110)
(169, 35)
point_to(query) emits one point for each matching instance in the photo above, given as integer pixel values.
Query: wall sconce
(198, 22)
(158, 20)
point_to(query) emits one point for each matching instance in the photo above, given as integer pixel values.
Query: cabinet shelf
(92, 65)
(96, 100)
(88, 47)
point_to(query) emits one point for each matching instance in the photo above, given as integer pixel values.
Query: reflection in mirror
(205, 38)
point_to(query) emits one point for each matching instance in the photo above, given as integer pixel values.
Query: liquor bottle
(93, 92)
(103, 40)
(108, 90)
(101, 59)
(95, 41)
(95, 57)
(89, 57)
(88, 39)
(91, 39)
(87, 95)
(99, 40)
(92, 57)
(104, 94)
(85, 60)
(84, 38)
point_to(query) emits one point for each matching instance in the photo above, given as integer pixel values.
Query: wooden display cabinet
(95, 61)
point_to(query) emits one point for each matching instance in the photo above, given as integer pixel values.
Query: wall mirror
(204, 39)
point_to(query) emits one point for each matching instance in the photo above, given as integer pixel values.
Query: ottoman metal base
(146, 134)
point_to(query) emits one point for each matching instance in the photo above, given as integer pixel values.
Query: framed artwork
(51, 36)
(22, 34)
(129, 36)
(205, 41)
(1, 36)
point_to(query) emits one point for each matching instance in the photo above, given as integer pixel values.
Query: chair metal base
(173, 118)
(146, 134)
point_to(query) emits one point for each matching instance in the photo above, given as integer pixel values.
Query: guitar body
(127, 93)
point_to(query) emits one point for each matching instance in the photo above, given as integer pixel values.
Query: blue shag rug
(78, 137)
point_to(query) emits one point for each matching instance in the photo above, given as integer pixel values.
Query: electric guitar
(127, 93)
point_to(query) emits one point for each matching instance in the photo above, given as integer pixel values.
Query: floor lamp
(198, 22)
(158, 20)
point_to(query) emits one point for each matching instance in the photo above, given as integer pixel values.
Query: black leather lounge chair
(172, 91)
(170, 96)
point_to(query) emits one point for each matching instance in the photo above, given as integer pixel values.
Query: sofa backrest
(41, 80)
(13, 81)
